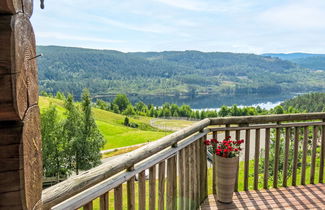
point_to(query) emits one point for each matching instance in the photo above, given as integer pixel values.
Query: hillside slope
(111, 126)
(190, 73)
(305, 60)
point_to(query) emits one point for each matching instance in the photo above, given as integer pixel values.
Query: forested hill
(305, 60)
(310, 102)
(104, 72)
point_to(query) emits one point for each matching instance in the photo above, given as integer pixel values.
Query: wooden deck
(299, 197)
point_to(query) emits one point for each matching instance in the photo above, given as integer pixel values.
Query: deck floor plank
(293, 197)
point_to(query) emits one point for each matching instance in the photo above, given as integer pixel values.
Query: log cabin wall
(20, 138)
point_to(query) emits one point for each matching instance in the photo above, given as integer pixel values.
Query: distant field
(112, 128)
(172, 125)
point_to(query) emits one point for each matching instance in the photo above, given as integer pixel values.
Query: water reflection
(212, 101)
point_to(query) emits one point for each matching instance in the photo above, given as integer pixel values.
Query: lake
(213, 101)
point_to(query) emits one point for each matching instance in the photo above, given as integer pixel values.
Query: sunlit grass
(111, 126)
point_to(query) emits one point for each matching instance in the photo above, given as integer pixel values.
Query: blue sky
(249, 26)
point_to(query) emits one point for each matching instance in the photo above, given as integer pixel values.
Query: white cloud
(296, 15)
(63, 36)
(208, 6)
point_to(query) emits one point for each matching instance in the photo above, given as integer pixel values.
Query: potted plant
(226, 156)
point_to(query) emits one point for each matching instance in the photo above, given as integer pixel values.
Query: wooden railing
(178, 170)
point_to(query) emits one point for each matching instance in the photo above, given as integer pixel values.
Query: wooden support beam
(12, 7)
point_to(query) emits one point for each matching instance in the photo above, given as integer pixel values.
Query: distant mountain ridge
(306, 60)
(107, 72)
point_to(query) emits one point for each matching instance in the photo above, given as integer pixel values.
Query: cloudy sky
(250, 26)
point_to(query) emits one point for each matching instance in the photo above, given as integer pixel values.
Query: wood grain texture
(11, 7)
(322, 157)
(88, 206)
(267, 157)
(131, 193)
(32, 158)
(256, 158)
(118, 198)
(18, 74)
(203, 171)
(104, 201)
(286, 157)
(301, 197)
(181, 181)
(66, 189)
(237, 137)
(171, 183)
(313, 155)
(21, 175)
(295, 157)
(276, 157)
(152, 187)
(161, 186)
(142, 190)
(267, 118)
(246, 163)
(304, 156)
(187, 177)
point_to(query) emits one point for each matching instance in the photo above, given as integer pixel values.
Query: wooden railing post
(286, 156)
(142, 190)
(266, 160)
(322, 156)
(214, 168)
(203, 171)
(295, 157)
(313, 155)
(304, 156)
(118, 198)
(276, 157)
(246, 164)
(256, 158)
(171, 183)
(131, 191)
(152, 187)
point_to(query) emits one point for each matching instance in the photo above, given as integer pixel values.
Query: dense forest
(311, 102)
(107, 72)
(305, 60)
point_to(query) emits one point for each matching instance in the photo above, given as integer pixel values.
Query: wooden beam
(267, 118)
(12, 7)
(18, 74)
(66, 189)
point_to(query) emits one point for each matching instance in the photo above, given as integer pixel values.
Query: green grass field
(111, 126)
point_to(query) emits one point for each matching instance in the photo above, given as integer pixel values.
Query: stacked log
(20, 139)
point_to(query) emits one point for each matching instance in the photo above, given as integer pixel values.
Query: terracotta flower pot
(226, 177)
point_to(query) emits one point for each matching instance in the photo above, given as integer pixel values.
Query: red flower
(207, 142)
(214, 141)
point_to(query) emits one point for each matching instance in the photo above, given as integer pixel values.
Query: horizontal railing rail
(70, 187)
(178, 162)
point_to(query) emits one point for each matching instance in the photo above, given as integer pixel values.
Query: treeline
(310, 102)
(71, 142)
(122, 105)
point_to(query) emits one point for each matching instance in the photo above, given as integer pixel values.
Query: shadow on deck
(299, 197)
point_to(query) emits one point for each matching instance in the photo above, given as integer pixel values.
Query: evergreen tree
(91, 140)
(72, 132)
